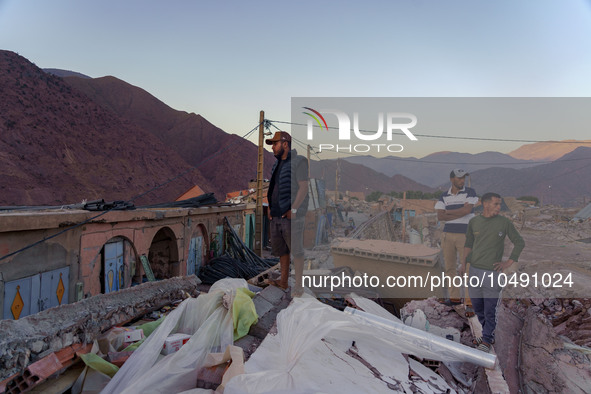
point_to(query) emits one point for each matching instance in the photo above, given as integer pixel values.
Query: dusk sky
(229, 60)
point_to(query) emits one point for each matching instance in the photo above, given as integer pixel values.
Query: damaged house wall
(72, 266)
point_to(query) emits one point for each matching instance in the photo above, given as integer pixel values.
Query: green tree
(374, 196)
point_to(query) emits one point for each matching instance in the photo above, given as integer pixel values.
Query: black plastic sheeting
(101, 205)
(237, 262)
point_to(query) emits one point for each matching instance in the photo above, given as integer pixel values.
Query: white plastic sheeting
(320, 349)
(309, 354)
(425, 341)
(208, 318)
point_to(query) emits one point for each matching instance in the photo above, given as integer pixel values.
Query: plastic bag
(211, 328)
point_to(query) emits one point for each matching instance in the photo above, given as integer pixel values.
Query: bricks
(262, 306)
(248, 344)
(261, 329)
(272, 294)
(44, 368)
(210, 377)
(268, 303)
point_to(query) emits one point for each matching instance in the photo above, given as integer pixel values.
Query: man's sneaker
(485, 347)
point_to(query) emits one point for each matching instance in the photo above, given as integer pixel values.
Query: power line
(408, 159)
(129, 201)
(453, 137)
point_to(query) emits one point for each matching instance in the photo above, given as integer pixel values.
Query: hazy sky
(227, 60)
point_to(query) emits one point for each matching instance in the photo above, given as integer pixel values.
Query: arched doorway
(198, 249)
(164, 255)
(119, 260)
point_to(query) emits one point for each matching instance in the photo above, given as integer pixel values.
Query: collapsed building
(292, 342)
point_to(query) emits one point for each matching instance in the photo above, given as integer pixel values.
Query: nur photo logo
(389, 125)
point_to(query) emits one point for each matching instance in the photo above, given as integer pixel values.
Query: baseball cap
(279, 136)
(458, 173)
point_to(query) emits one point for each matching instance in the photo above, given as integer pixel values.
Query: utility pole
(403, 218)
(309, 162)
(258, 229)
(336, 183)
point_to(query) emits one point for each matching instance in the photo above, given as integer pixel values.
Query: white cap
(458, 173)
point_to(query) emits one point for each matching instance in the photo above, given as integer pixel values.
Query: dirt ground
(544, 331)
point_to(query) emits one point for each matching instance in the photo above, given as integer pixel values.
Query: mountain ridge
(194, 138)
(58, 146)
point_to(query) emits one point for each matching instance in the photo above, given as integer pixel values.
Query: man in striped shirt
(455, 207)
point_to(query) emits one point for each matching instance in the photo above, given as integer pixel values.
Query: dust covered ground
(543, 337)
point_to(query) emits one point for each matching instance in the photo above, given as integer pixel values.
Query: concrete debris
(439, 315)
(26, 340)
(546, 364)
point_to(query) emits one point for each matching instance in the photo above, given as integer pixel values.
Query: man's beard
(280, 153)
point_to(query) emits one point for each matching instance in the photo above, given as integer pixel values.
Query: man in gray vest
(288, 203)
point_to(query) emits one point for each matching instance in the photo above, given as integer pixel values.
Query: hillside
(434, 169)
(543, 151)
(57, 146)
(190, 135)
(358, 178)
(563, 181)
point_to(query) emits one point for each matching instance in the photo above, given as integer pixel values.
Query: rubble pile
(570, 318)
(377, 227)
(550, 362)
(31, 338)
(439, 315)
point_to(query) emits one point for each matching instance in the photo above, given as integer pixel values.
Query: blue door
(54, 288)
(26, 296)
(195, 258)
(191, 257)
(21, 297)
(249, 230)
(113, 278)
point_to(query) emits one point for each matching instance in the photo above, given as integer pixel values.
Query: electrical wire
(239, 261)
(303, 144)
(450, 137)
(410, 159)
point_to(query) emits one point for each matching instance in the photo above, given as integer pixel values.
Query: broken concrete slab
(25, 340)
(508, 339)
(545, 364)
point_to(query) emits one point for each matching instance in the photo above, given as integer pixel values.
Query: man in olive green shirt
(484, 247)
